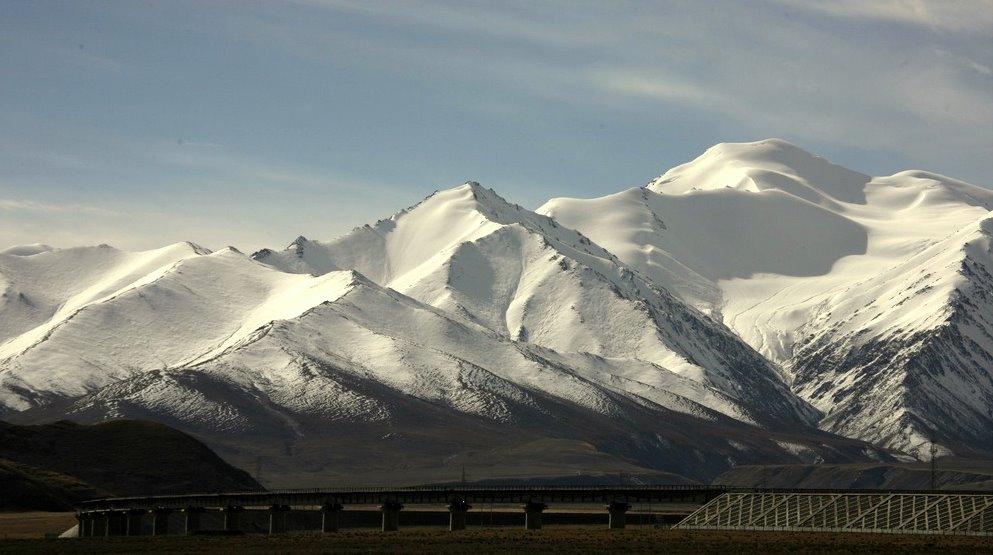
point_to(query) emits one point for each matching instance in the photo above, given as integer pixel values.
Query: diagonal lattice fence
(910, 513)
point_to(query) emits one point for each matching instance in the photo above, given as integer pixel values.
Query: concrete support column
(160, 521)
(330, 513)
(457, 510)
(232, 518)
(133, 527)
(116, 523)
(85, 524)
(532, 515)
(277, 518)
(100, 523)
(193, 515)
(391, 515)
(617, 511)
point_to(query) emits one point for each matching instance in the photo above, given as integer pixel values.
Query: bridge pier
(116, 523)
(85, 520)
(277, 518)
(134, 517)
(100, 523)
(532, 515)
(330, 514)
(232, 517)
(617, 511)
(457, 510)
(193, 515)
(160, 521)
(391, 515)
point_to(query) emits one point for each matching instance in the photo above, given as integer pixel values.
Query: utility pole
(934, 456)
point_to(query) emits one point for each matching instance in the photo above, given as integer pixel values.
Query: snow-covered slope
(469, 252)
(786, 248)
(715, 317)
(244, 354)
(908, 355)
(39, 286)
(161, 309)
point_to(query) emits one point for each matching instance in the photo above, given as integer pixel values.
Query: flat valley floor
(22, 531)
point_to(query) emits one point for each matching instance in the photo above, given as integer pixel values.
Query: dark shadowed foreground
(53, 466)
(571, 539)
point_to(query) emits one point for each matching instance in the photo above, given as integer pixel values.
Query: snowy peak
(26, 250)
(919, 191)
(769, 165)
(854, 285)
(470, 253)
(396, 252)
(302, 256)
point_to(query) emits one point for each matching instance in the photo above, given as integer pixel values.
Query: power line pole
(934, 456)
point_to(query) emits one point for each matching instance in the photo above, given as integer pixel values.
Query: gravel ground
(551, 540)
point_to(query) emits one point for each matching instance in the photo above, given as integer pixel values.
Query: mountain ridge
(777, 305)
(718, 294)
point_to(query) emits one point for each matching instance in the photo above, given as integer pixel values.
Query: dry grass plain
(516, 541)
(33, 525)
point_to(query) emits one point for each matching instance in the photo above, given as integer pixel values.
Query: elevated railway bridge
(169, 514)
(707, 507)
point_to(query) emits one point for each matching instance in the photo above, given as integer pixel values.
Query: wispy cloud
(374, 99)
(20, 205)
(197, 144)
(936, 95)
(695, 55)
(646, 83)
(947, 15)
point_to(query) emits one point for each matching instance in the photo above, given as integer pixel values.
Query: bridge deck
(415, 495)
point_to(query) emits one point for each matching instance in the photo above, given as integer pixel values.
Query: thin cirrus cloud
(18, 205)
(314, 116)
(950, 15)
(698, 56)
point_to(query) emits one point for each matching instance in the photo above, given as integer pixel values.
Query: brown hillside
(51, 465)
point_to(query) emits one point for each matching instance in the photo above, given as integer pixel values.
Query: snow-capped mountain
(715, 317)
(872, 294)
(524, 276)
(911, 359)
(257, 360)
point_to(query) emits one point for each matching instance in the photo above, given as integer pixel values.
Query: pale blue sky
(141, 123)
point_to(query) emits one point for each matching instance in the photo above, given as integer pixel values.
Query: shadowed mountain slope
(50, 466)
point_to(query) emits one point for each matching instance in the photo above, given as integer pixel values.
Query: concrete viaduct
(227, 512)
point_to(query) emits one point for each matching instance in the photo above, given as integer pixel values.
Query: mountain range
(756, 305)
